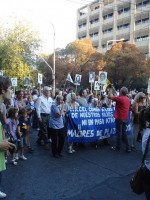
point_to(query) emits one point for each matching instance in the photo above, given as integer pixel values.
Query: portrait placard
(102, 77)
(91, 77)
(26, 81)
(14, 82)
(96, 85)
(77, 79)
(40, 80)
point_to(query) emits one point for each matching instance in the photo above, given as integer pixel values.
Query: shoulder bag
(136, 182)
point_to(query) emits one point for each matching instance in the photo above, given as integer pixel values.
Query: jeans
(121, 126)
(146, 182)
(58, 139)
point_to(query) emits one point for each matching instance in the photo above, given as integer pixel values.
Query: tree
(126, 66)
(17, 45)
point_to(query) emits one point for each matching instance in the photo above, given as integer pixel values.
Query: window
(145, 3)
(110, 15)
(110, 30)
(84, 36)
(91, 35)
(120, 27)
(120, 12)
(143, 38)
(105, 17)
(80, 25)
(126, 10)
(138, 22)
(96, 20)
(104, 45)
(96, 34)
(126, 41)
(84, 24)
(126, 26)
(139, 5)
(91, 21)
(96, 7)
(146, 20)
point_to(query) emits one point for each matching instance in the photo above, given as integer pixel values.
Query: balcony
(108, 20)
(94, 13)
(82, 29)
(142, 26)
(108, 35)
(124, 16)
(94, 25)
(142, 44)
(94, 38)
(124, 31)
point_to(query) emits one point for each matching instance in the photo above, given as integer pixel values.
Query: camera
(13, 141)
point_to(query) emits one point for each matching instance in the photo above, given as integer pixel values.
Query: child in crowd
(12, 123)
(30, 109)
(22, 132)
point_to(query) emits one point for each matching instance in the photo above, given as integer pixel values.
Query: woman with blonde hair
(138, 104)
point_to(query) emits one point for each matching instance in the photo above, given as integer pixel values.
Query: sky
(41, 13)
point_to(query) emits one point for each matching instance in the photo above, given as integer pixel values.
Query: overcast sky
(62, 13)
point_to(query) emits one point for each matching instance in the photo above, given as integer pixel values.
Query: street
(88, 174)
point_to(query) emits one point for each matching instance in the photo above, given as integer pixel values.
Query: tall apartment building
(105, 20)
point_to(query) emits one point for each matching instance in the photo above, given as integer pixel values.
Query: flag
(69, 78)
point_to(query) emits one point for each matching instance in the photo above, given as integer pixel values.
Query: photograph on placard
(148, 89)
(14, 82)
(1, 72)
(102, 77)
(26, 81)
(77, 79)
(91, 77)
(96, 85)
(40, 80)
(103, 87)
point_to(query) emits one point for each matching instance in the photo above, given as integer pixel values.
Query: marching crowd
(48, 114)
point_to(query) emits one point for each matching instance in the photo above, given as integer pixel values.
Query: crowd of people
(48, 114)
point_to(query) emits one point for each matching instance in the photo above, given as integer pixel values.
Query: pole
(54, 86)
(91, 88)
(40, 89)
(14, 89)
(76, 89)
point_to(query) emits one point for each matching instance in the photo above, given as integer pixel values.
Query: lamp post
(113, 41)
(53, 71)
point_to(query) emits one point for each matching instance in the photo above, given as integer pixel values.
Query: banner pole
(40, 89)
(76, 89)
(14, 90)
(91, 88)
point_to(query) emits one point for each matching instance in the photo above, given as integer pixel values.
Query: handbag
(136, 182)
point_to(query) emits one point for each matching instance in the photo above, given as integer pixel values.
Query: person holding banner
(121, 117)
(70, 105)
(56, 126)
(82, 99)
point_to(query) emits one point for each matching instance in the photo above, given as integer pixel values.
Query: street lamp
(53, 71)
(113, 41)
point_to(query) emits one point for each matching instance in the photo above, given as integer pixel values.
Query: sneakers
(16, 156)
(13, 162)
(2, 195)
(23, 157)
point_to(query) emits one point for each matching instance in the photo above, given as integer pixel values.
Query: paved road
(88, 174)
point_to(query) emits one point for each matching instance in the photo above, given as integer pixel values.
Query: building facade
(105, 20)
